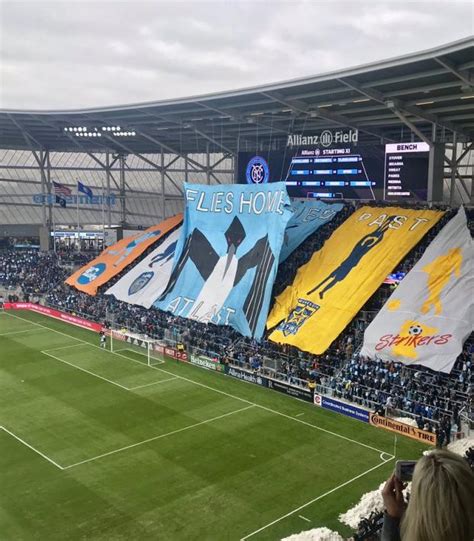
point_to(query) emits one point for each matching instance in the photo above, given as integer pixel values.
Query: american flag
(60, 189)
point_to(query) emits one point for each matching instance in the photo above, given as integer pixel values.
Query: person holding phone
(441, 501)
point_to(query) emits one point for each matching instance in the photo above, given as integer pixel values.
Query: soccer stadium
(243, 315)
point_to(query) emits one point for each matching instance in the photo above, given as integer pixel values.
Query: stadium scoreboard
(394, 172)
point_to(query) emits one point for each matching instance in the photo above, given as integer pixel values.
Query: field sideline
(97, 445)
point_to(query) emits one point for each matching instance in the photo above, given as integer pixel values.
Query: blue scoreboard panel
(396, 171)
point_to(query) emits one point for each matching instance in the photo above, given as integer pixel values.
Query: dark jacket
(390, 528)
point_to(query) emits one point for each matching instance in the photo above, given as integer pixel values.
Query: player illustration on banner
(439, 275)
(428, 317)
(222, 273)
(361, 249)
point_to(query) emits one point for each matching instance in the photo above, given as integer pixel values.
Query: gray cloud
(68, 54)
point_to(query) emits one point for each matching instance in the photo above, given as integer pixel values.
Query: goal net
(136, 346)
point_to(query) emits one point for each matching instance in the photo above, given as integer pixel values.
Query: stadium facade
(136, 157)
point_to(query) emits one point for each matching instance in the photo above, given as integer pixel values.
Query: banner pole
(77, 211)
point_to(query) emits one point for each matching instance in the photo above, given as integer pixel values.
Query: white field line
(152, 383)
(85, 370)
(154, 438)
(158, 361)
(224, 393)
(47, 352)
(32, 448)
(17, 332)
(320, 497)
(304, 518)
(66, 347)
(77, 339)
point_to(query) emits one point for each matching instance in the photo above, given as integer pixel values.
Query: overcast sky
(68, 54)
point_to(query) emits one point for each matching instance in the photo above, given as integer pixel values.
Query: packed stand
(431, 398)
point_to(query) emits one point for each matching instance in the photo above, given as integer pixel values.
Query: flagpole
(54, 225)
(103, 216)
(77, 211)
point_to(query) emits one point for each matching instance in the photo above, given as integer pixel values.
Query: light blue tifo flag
(429, 316)
(227, 256)
(308, 216)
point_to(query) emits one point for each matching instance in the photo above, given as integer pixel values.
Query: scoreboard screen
(396, 171)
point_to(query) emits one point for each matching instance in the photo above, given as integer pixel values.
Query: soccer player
(103, 339)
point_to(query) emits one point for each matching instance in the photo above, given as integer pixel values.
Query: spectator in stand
(441, 501)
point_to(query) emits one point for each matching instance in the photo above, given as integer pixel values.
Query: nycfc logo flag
(118, 256)
(429, 316)
(332, 287)
(147, 280)
(227, 256)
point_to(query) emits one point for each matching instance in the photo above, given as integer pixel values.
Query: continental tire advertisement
(403, 429)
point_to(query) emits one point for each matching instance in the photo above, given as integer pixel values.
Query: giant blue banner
(307, 218)
(226, 259)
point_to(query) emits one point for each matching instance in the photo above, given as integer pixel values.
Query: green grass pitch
(96, 446)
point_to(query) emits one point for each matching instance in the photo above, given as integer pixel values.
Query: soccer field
(98, 445)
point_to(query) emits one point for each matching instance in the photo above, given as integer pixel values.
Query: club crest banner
(431, 313)
(332, 287)
(308, 216)
(148, 279)
(118, 256)
(227, 256)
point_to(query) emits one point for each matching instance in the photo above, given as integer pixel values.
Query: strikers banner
(308, 216)
(332, 287)
(118, 256)
(431, 313)
(227, 256)
(148, 279)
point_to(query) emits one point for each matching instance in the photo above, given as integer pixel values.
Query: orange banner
(118, 256)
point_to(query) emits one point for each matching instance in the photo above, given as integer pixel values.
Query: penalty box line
(160, 436)
(47, 352)
(131, 446)
(38, 452)
(320, 497)
(224, 393)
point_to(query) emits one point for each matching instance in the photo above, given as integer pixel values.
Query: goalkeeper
(103, 339)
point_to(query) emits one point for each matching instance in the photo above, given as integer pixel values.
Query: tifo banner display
(334, 285)
(341, 407)
(308, 216)
(115, 258)
(226, 259)
(431, 313)
(401, 428)
(148, 279)
(56, 314)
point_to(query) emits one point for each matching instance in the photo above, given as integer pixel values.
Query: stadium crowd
(433, 399)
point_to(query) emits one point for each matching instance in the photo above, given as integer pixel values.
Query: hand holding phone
(404, 470)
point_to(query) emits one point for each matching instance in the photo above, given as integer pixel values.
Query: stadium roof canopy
(388, 100)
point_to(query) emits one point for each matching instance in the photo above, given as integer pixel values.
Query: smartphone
(404, 469)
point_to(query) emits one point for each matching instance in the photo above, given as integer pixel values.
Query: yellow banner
(334, 285)
(118, 256)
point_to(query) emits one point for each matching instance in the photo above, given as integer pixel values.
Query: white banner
(147, 280)
(431, 313)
